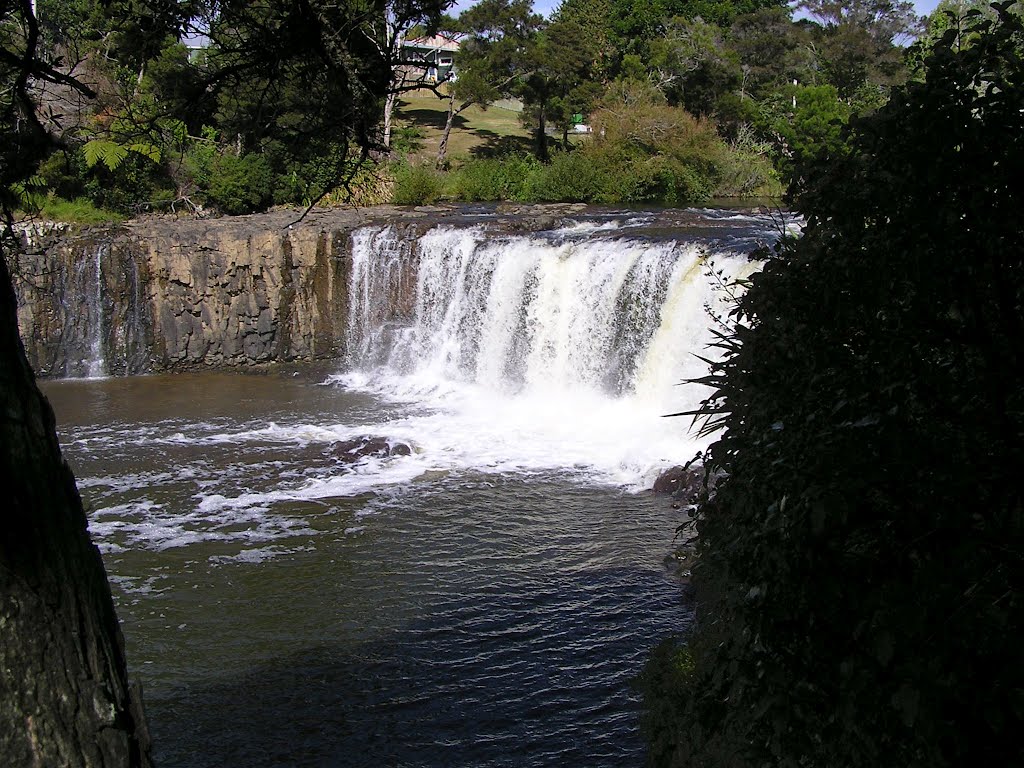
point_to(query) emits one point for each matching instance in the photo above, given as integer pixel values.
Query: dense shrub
(241, 184)
(668, 670)
(808, 123)
(77, 211)
(416, 185)
(860, 578)
(135, 184)
(571, 177)
(746, 169)
(492, 179)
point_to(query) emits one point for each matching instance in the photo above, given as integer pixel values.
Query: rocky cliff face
(166, 294)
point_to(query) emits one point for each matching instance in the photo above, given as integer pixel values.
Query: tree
(490, 61)
(474, 86)
(860, 41)
(303, 80)
(595, 16)
(807, 123)
(407, 73)
(638, 22)
(695, 65)
(860, 567)
(562, 81)
(948, 14)
(64, 693)
(769, 49)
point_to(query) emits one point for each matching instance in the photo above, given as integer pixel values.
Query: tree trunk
(65, 699)
(389, 110)
(542, 137)
(442, 148)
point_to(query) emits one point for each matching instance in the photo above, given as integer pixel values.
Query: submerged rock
(681, 482)
(681, 560)
(351, 451)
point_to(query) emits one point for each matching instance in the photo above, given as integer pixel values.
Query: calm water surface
(451, 608)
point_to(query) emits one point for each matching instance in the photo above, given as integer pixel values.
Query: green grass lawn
(477, 132)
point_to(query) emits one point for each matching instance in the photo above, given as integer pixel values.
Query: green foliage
(746, 169)
(304, 91)
(700, 68)
(653, 152)
(572, 177)
(416, 185)
(405, 139)
(565, 62)
(771, 51)
(78, 211)
(859, 41)
(807, 121)
(666, 675)
(200, 157)
(241, 184)
(644, 152)
(112, 154)
(860, 569)
(493, 179)
(135, 184)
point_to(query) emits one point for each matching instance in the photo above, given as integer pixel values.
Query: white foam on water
(367, 476)
(258, 555)
(145, 524)
(137, 585)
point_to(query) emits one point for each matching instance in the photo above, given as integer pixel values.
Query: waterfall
(83, 332)
(574, 341)
(95, 365)
(516, 314)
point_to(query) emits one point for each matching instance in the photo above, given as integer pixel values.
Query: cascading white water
(562, 350)
(95, 364)
(83, 324)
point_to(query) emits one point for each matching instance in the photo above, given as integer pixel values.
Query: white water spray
(537, 352)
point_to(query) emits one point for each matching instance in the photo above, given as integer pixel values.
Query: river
(484, 601)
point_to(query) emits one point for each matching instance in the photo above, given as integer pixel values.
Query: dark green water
(284, 609)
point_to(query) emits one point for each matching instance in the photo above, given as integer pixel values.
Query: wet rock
(351, 451)
(681, 561)
(680, 482)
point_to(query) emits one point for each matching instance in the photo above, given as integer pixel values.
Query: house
(433, 57)
(196, 45)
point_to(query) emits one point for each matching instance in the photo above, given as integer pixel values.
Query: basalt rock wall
(165, 294)
(171, 294)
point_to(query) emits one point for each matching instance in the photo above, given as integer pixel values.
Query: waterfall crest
(517, 314)
(575, 342)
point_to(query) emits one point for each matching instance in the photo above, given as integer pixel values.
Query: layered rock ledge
(171, 294)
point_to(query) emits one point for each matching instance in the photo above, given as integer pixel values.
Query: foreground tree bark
(65, 699)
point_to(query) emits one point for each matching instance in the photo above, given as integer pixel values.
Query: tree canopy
(288, 99)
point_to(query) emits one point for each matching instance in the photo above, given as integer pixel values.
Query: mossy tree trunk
(65, 699)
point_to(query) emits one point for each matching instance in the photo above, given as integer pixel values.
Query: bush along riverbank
(859, 582)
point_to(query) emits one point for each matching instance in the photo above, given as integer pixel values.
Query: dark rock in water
(680, 561)
(350, 451)
(526, 224)
(681, 482)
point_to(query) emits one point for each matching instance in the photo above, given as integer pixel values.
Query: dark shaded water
(282, 608)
